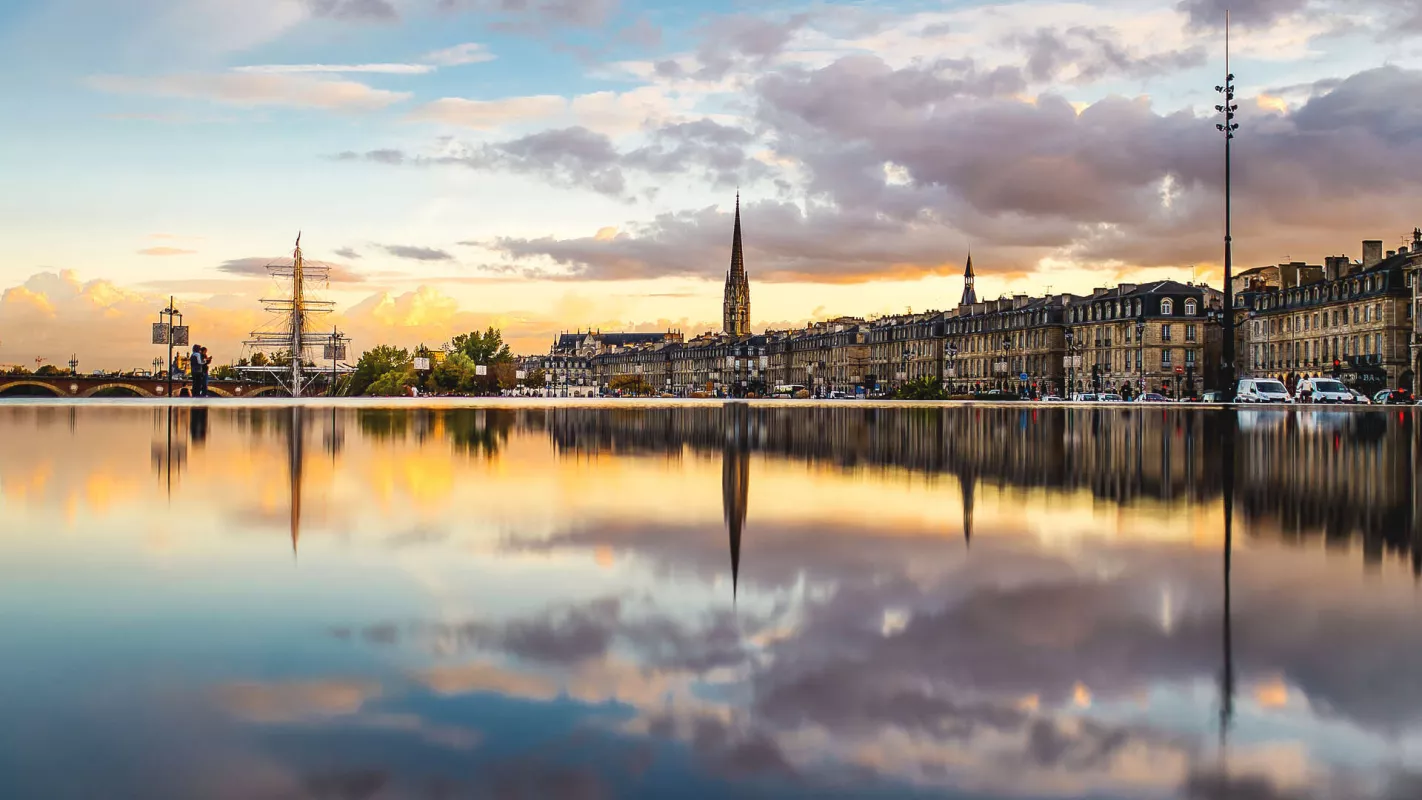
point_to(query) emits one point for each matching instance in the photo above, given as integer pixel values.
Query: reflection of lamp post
(1140, 350)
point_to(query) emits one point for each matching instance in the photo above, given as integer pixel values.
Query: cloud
(292, 69)
(416, 253)
(292, 702)
(1085, 54)
(1245, 13)
(256, 266)
(460, 54)
(534, 16)
(165, 251)
(355, 10)
(348, 253)
(487, 114)
(243, 89)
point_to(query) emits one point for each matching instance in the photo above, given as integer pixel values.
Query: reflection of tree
(384, 423)
(479, 432)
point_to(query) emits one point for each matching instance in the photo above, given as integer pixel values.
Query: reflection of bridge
(88, 386)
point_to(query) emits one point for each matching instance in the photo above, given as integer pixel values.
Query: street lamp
(1228, 127)
(1140, 350)
(952, 366)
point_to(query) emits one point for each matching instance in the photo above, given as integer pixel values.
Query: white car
(1051, 398)
(1324, 390)
(1262, 390)
(1111, 398)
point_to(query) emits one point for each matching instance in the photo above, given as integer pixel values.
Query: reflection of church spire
(735, 482)
(967, 485)
(293, 464)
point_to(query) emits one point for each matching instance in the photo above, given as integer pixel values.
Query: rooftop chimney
(1372, 252)
(1335, 267)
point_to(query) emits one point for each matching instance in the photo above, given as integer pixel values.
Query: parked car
(1393, 397)
(1214, 397)
(1111, 398)
(1324, 390)
(1083, 397)
(1051, 398)
(1360, 398)
(1262, 390)
(1151, 397)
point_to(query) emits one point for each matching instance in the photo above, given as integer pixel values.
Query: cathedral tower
(736, 307)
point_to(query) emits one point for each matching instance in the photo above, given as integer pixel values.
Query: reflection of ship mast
(293, 465)
(735, 481)
(968, 484)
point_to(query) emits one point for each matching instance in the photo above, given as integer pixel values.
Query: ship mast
(298, 317)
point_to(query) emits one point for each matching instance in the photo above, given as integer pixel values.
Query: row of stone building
(1353, 319)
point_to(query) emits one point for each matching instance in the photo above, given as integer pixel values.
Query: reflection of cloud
(293, 702)
(485, 677)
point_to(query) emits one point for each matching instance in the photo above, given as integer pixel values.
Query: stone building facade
(1357, 321)
(1161, 337)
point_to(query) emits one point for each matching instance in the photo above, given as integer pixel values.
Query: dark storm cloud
(354, 10)
(256, 266)
(416, 253)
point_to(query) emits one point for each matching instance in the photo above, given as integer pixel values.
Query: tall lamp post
(1228, 127)
(952, 366)
(166, 331)
(1140, 352)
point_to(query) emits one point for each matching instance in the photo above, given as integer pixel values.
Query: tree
(629, 384)
(454, 374)
(536, 379)
(260, 360)
(373, 364)
(484, 348)
(224, 373)
(925, 388)
(49, 371)
(394, 382)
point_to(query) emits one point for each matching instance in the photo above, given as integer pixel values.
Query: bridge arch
(6, 386)
(135, 391)
(257, 391)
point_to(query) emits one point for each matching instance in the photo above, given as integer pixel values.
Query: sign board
(730, 362)
(160, 333)
(1022, 376)
(480, 369)
(180, 335)
(1179, 370)
(334, 352)
(520, 374)
(422, 364)
(765, 362)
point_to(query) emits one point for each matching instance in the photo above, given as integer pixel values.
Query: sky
(549, 165)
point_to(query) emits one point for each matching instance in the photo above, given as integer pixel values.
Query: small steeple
(970, 295)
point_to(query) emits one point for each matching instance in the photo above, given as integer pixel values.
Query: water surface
(705, 600)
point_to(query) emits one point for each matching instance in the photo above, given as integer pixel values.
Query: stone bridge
(88, 386)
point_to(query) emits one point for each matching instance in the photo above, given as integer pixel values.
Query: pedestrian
(195, 365)
(206, 369)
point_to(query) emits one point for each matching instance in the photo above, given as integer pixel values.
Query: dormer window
(1190, 308)
(1167, 307)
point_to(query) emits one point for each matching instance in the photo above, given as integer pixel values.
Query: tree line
(388, 371)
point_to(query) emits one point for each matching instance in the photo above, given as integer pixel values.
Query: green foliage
(18, 370)
(536, 379)
(393, 383)
(224, 373)
(260, 360)
(49, 371)
(924, 388)
(373, 364)
(454, 374)
(486, 348)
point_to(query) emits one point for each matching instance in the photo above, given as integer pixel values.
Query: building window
(1165, 358)
(1165, 331)
(1189, 333)
(1167, 307)
(1190, 308)
(1355, 315)
(1189, 358)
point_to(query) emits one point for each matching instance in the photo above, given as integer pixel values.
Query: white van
(1262, 390)
(1324, 390)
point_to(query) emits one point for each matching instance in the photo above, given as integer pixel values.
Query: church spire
(970, 295)
(736, 307)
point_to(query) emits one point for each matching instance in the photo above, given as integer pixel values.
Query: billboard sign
(422, 364)
(160, 333)
(180, 335)
(480, 369)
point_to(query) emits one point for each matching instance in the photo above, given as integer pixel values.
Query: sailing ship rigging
(297, 349)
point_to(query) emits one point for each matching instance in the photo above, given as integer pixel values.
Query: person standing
(199, 370)
(206, 369)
